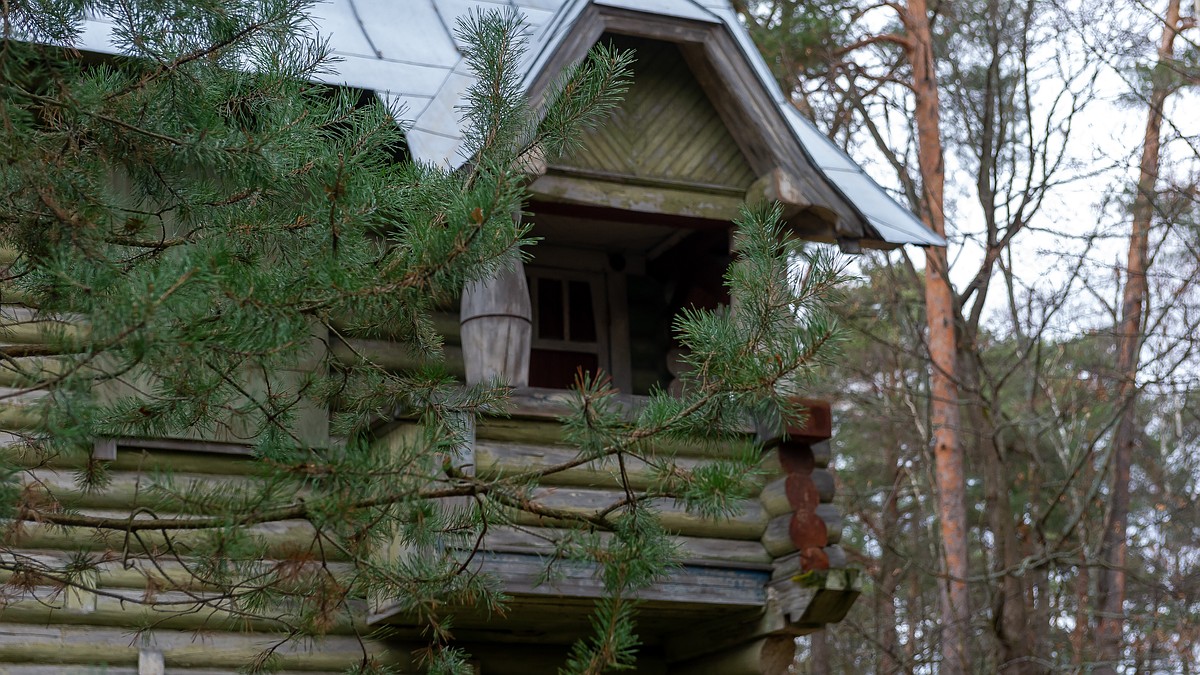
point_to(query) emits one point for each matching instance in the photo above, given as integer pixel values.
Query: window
(570, 326)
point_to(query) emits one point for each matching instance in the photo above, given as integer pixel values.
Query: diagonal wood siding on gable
(665, 130)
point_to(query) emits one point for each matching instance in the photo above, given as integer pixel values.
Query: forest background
(1017, 427)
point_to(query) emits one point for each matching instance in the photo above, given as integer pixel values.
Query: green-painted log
(49, 606)
(506, 539)
(103, 646)
(502, 460)
(748, 525)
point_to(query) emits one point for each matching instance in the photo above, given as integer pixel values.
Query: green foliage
(203, 229)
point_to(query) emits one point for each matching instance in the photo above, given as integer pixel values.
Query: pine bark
(1114, 546)
(940, 314)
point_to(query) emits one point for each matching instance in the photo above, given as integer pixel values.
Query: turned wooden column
(496, 328)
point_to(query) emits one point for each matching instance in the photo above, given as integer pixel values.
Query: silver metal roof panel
(682, 9)
(405, 52)
(896, 224)
(408, 31)
(535, 12)
(337, 21)
(386, 76)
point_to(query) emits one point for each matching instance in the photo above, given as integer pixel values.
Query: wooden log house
(633, 227)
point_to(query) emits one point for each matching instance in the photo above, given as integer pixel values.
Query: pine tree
(191, 227)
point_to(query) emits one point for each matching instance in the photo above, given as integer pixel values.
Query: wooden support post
(618, 329)
(151, 662)
(497, 329)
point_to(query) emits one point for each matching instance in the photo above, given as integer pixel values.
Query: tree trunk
(819, 663)
(940, 313)
(889, 568)
(1010, 614)
(1110, 603)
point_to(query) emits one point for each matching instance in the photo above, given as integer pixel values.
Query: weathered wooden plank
(540, 541)
(653, 200)
(125, 489)
(15, 417)
(774, 494)
(534, 422)
(779, 186)
(445, 323)
(832, 516)
(618, 330)
(747, 525)
(688, 585)
(837, 557)
(777, 538)
(822, 454)
(28, 371)
(790, 532)
(51, 606)
(774, 498)
(277, 538)
(392, 355)
(105, 669)
(116, 570)
(137, 459)
(502, 460)
(82, 645)
(22, 325)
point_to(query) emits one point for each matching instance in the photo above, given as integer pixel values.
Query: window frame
(596, 281)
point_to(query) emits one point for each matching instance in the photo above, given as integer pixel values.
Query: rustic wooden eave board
(690, 591)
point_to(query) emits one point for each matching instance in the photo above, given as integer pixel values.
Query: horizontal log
(775, 499)
(542, 540)
(85, 669)
(548, 431)
(127, 489)
(392, 355)
(696, 585)
(818, 421)
(502, 460)
(832, 516)
(794, 564)
(518, 430)
(14, 295)
(103, 646)
(28, 371)
(277, 539)
(445, 323)
(15, 417)
(137, 459)
(822, 454)
(118, 571)
(837, 557)
(748, 525)
(826, 484)
(656, 200)
(74, 607)
(779, 537)
(42, 332)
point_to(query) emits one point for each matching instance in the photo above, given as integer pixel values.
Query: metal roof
(405, 51)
